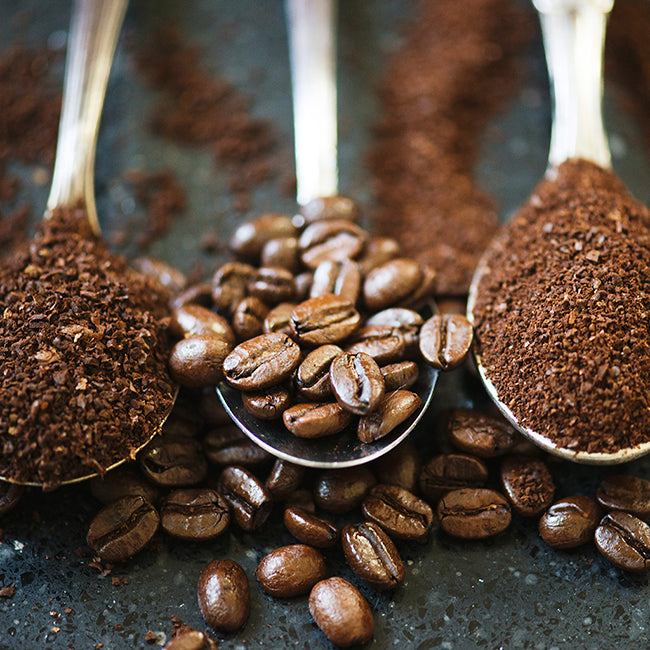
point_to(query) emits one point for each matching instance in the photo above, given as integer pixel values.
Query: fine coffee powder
(83, 355)
(561, 317)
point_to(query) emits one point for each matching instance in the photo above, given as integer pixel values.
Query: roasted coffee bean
(401, 466)
(480, 434)
(119, 482)
(303, 285)
(624, 540)
(445, 341)
(291, 570)
(283, 252)
(342, 278)
(399, 512)
(230, 285)
(357, 382)
(628, 493)
(224, 595)
(266, 360)
(393, 409)
(316, 420)
(570, 522)
(122, 528)
(168, 276)
(393, 283)
(195, 514)
(341, 612)
(248, 318)
(197, 361)
(302, 499)
(402, 374)
(324, 319)
(249, 500)
(378, 251)
(190, 640)
(372, 555)
(310, 529)
(528, 484)
(272, 285)
(342, 490)
(385, 344)
(192, 320)
(197, 294)
(10, 495)
(408, 321)
(328, 208)
(267, 404)
(173, 461)
(473, 513)
(284, 478)
(313, 378)
(250, 237)
(334, 240)
(227, 445)
(447, 472)
(279, 319)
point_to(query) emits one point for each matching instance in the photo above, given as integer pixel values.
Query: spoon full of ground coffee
(83, 345)
(560, 299)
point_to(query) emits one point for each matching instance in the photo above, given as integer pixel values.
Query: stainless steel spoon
(311, 26)
(574, 36)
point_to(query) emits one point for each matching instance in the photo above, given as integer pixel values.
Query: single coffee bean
(197, 294)
(342, 490)
(248, 318)
(291, 570)
(197, 361)
(378, 251)
(628, 493)
(528, 484)
(447, 472)
(402, 374)
(471, 513)
(324, 319)
(445, 341)
(313, 377)
(192, 320)
(272, 285)
(302, 499)
(173, 461)
(230, 285)
(249, 500)
(284, 478)
(282, 252)
(393, 409)
(328, 208)
(393, 283)
(408, 321)
(624, 540)
(310, 529)
(385, 344)
(168, 276)
(479, 434)
(372, 555)
(250, 237)
(570, 522)
(335, 240)
(279, 319)
(399, 512)
(224, 595)
(401, 466)
(10, 495)
(122, 528)
(194, 515)
(266, 360)
(316, 420)
(227, 445)
(303, 285)
(267, 404)
(190, 640)
(341, 612)
(357, 382)
(119, 482)
(342, 278)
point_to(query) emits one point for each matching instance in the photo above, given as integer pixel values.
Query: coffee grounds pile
(561, 321)
(83, 355)
(458, 66)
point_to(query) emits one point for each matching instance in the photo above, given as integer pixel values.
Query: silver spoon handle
(312, 52)
(94, 31)
(574, 39)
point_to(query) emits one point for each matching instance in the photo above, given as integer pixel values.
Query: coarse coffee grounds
(459, 64)
(561, 316)
(83, 355)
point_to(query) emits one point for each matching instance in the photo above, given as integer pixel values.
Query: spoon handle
(574, 39)
(93, 36)
(312, 52)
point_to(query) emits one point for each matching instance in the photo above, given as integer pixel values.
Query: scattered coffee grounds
(83, 354)
(562, 315)
(438, 93)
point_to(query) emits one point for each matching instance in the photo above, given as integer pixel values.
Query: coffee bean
(472, 513)
(334, 240)
(279, 319)
(402, 374)
(122, 528)
(316, 420)
(282, 252)
(194, 515)
(211, 409)
(342, 490)
(342, 278)
(10, 495)
(166, 275)
(197, 361)
(570, 522)
(407, 321)
(227, 445)
(393, 409)
(267, 404)
(385, 344)
(192, 320)
(272, 285)
(624, 540)
(173, 461)
(250, 502)
(401, 466)
(224, 595)
(396, 282)
(250, 237)
(248, 317)
(302, 499)
(341, 612)
(357, 382)
(284, 479)
(479, 434)
(628, 493)
(324, 319)
(378, 251)
(372, 555)
(328, 208)
(313, 378)
(197, 294)
(230, 285)
(190, 640)
(303, 285)
(445, 340)
(528, 484)
(310, 529)
(291, 570)
(447, 472)
(119, 482)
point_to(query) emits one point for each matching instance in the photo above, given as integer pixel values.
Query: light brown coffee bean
(190, 320)
(197, 361)
(313, 377)
(477, 433)
(250, 237)
(310, 529)
(291, 570)
(284, 479)
(471, 513)
(315, 420)
(402, 374)
(230, 285)
(335, 240)
(445, 341)
(278, 319)
(329, 207)
(282, 252)
(248, 317)
(357, 382)
(194, 515)
(385, 344)
(168, 276)
(378, 251)
(303, 285)
(624, 540)
(528, 484)
(570, 522)
(190, 640)
(447, 472)
(407, 321)
(267, 404)
(393, 409)
(393, 283)
(249, 500)
(197, 294)
(272, 285)
(324, 319)
(342, 278)
(224, 595)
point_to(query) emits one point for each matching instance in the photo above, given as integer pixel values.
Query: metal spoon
(311, 26)
(574, 36)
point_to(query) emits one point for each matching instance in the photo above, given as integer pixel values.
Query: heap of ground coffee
(561, 315)
(83, 355)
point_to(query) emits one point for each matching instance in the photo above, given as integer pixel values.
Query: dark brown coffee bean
(528, 484)
(628, 493)
(479, 434)
(230, 285)
(250, 237)
(248, 318)
(399, 512)
(357, 382)
(282, 252)
(328, 208)
(385, 344)
(190, 640)
(249, 500)
(10, 495)
(334, 240)
(624, 540)
(291, 570)
(168, 276)
(316, 420)
(120, 482)
(224, 595)
(197, 294)
(267, 404)
(191, 320)
(173, 461)
(448, 472)
(445, 340)
(393, 283)
(266, 360)
(378, 251)
(302, 499)
(279, 319)
(570, 522)
(401, 466)
(402, 374)
(195, 515)
(227, 445)
(307, 528)
(324, 319)
(342, 490)
(211, 409)
(272, 285)
(473, 513)
(313, 378)
(197, 361)
(122, 528)
(342, 278)
(341, 612)
(284, 479)
(393, 409)
(372, 555)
